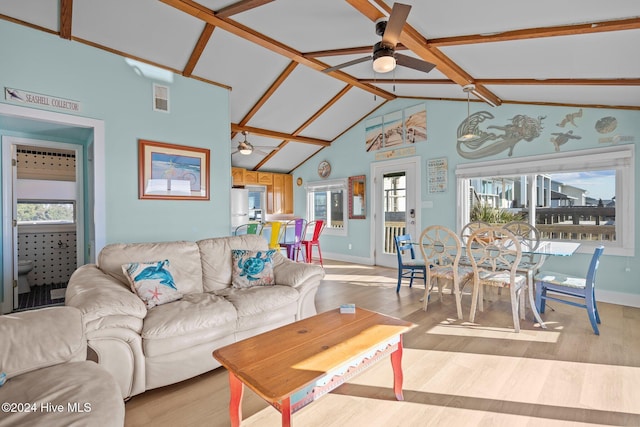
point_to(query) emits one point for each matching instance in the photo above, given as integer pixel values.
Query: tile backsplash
(53, 254)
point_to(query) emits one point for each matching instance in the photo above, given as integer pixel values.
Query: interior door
(396, 206)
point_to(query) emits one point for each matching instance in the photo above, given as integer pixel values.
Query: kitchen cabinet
(280, 194)
(265, 178)
(250, 177)
(288, 194)
(237, 176)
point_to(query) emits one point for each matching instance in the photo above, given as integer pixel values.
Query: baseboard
(630, 300)
(348, 258)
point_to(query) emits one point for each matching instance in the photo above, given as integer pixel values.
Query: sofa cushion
(194, 319)
(152, 281)
(216, 258)
(184, 258)
(36, 339)
(89, 396)
(252, 268)
(262, 304)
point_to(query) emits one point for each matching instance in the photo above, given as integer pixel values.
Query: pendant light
(469, 136)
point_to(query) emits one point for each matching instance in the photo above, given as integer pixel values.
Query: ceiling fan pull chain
(394, 80)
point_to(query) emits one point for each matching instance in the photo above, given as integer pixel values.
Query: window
(328, 201)
(585, 196)
(46, 212)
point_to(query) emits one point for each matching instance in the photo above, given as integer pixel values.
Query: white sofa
(148, 348)
(50, 382)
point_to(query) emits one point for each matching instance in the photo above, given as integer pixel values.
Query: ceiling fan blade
(398, 17)
(415, 63)
(263, 153)
(347, 64)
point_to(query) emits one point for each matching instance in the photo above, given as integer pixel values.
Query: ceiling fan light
(384, 64)
(245, 148)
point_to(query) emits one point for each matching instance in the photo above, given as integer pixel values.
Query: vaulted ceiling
(271, 55)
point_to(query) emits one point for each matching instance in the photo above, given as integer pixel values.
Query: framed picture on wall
(172, 172)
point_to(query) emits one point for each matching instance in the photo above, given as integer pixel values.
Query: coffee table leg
(396, 363)
(286, 412)
(235, 409)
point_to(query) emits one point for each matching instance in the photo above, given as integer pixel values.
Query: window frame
(329, 185)
(620, 158)
(48, 202)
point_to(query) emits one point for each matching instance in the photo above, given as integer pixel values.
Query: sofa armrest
(99, 296)
(41, 338)
(290, 273)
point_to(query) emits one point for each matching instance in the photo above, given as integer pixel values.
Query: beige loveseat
(50, 382)
(148, 348)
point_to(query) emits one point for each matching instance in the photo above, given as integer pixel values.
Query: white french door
(396, 205)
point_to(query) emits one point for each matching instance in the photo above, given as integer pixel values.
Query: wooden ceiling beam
(410, 81)
(239, 7)
(306, 124)
(413, 40)
(563, 82)
(198, 49)
(279, 135)
(66, 17)
(533, 33)
(197, 10)
(265, 97)
(514, 82)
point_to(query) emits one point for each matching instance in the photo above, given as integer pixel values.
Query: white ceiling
(259, 54)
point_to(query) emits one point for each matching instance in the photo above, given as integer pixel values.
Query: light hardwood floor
(456, 373)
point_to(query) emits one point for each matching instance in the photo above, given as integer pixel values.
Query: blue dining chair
(578, 287)
(408, 267)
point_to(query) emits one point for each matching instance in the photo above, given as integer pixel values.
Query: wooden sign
(38, 99)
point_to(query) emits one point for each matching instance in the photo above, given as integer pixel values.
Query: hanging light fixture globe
(244, 147)
(469, 136)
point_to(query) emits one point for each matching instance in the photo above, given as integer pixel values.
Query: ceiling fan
(246, 148)
(384, 54)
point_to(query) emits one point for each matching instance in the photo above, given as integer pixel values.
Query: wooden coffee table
(291, 366)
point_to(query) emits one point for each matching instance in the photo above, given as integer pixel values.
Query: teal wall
(109, 90)
(443, 118)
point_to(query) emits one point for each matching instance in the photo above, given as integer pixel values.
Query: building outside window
(585, 196)
(327, 201)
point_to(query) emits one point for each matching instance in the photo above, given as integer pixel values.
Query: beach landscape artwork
(373, 134)
(397, 128)
(393, 129)
(415, 123)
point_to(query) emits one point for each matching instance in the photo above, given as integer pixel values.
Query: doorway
(48, 210)
(18, 120)
(396, 197)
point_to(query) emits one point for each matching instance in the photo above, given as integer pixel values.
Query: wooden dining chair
(408, 266)
(470, 227)
(495, 253)
(529, 237)
(467, 230)
(583, 288)
(441, 250)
